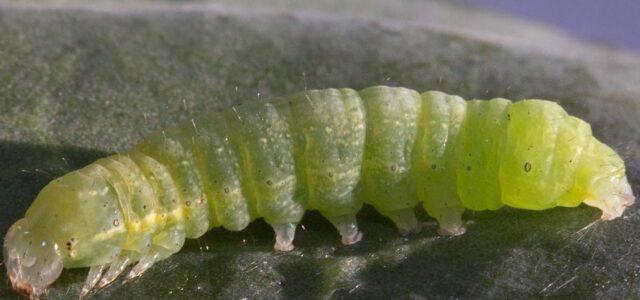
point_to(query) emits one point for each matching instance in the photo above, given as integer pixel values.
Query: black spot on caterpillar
(327, 150)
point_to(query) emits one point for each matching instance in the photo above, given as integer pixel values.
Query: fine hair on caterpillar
(329, 150)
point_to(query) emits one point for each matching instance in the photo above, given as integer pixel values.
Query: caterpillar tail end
(612, 198)
(32, 261)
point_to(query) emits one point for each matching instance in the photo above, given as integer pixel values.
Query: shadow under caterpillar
(327, 150)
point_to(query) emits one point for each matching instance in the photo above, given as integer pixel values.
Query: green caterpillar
(328, 150)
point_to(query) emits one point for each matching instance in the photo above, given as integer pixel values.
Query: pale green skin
(328, 150)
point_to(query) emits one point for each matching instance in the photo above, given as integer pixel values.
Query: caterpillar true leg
(348, 228)
(285, 233)
(95, 273)
(143, 265)
(406, 221)
(115, 269)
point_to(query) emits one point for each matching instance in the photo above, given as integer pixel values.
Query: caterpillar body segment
(262, 140)
(479, 157)
(180, 162)
(393, 116)
(538, 167)
(436, 157)
(170, 235)
(328, 150)
(330, 130)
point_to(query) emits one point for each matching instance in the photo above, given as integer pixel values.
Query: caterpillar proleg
(329, 150)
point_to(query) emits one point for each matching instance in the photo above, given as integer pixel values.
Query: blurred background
(614, 22)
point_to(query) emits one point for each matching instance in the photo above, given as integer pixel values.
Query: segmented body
(331, 150)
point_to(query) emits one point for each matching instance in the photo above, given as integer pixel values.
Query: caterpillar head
(71, 224)
(33, 261)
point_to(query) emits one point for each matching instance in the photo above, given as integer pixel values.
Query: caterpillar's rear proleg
(406, 221)
(285, 233)
(450, 222)
(449, 218)
(348, 228)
